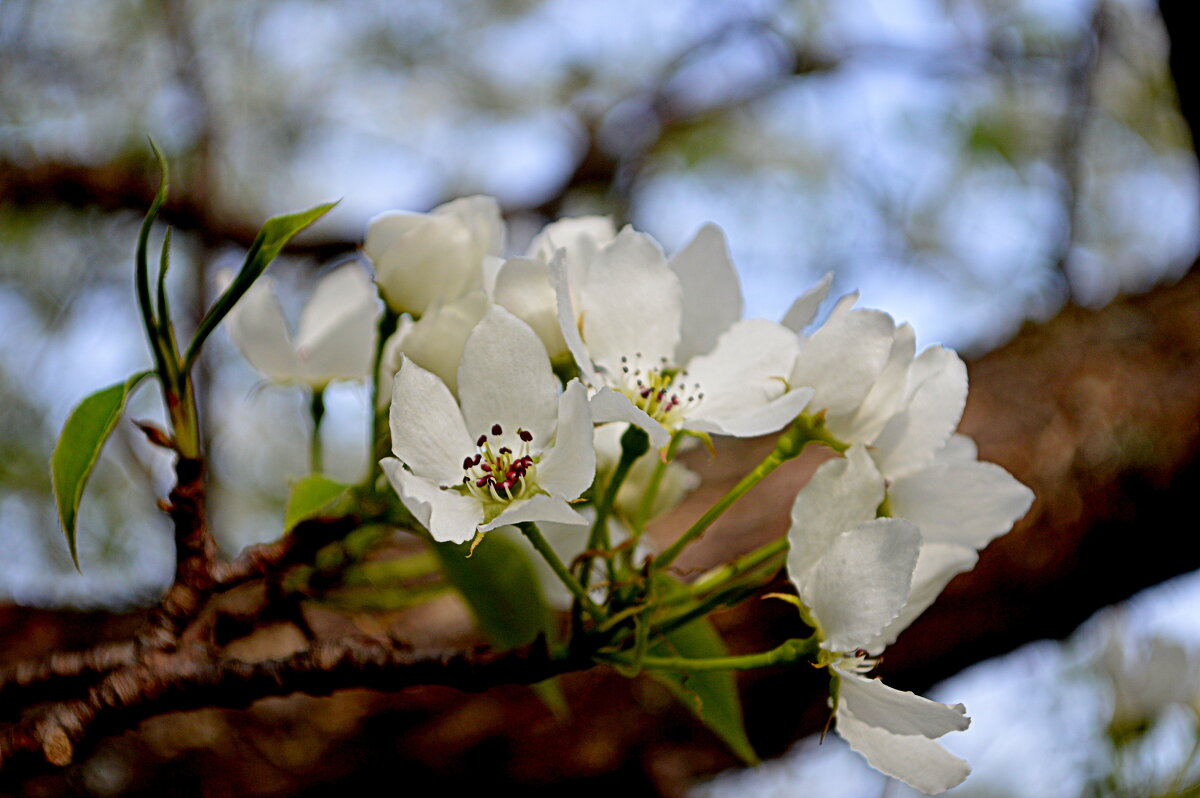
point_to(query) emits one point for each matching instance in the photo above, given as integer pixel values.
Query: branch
(190, 678)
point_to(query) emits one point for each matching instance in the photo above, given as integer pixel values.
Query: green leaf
(501, 588)
(712, 696)
(271, 240)
(311, 496)
(78, 449)
(142, 270)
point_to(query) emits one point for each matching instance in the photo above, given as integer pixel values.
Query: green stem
(747, 562)
(803, 431)
(791, 652)
(379, 419)
(316, 409)
(634, 443)
(534, 535)
(660, 469)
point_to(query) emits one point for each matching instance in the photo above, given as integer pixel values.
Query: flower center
(659, 390)
(853, 661)
(499, 474)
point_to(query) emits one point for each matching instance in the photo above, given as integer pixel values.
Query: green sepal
(312, 496)
(271, 240)
(712, 696)
(78, 449)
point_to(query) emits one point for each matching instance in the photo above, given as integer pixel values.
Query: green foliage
(502, 589)
(78, 449)
(271, 240)
(712, 696)
(311, 496)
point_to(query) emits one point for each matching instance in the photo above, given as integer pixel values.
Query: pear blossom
(335, 338)
(509, 450)
(1147, 678)
(661, 344)
(853, 583)
(423, 258)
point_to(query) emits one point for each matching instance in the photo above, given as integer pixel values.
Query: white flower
(853, 585)
(335, 339)
(510, 450)
(1156, 674)
(662, 345)
(423, 258)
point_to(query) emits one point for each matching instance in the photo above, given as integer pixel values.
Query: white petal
(537, 508)
(481, 215)
(747, 369)
(897, 711)
(959, 449)
(427, 258)
(844, 356)
(608, 405)
(568, 318)
(338, 327)
(428, 433)
(886, 396)
(712, 294)
(450, 517)
(505, 378)
(805, 308)
(912, 437)
(768, 418)
(861, 581)
(631, 303)
(937, 564)
(842, 493)
(917, 761)
(256, 324)
(523, 287)
(966, 503)
(436, 341)
(581, 236)
(568, 467)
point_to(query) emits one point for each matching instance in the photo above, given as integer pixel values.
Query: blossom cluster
(515, 379)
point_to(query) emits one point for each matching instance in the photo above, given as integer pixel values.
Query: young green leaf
(501, 588)
(310, 497)
(271, 240)
(712, 696)
(78, 449)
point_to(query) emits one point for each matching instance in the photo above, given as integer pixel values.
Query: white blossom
(423, 258)
(511, 449)
(334, 340)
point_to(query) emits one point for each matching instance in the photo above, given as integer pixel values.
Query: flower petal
(886, 396)
(428, 433)
(938, 380)
(897, 711)
(937, 564)
(965, 503)
(805, 308)
(338, 326)
(861, 581)
(747, 369)
(505, 378)
(436, 341)
(536, 508)
(480, 214)
(843, 357)
(631, 303)
(842, 493)
(568, 318)
(768, 418)
(581, 236)
(608, 405)
(523, 287)
(256, 324)
(712, 294)
(569, 466)
(450, 517)
(917, 761)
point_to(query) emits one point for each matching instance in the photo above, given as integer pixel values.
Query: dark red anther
(468, 462)
(479, 483)
(525, 435)
(486, 467)
(482, 440)
(505, 450)
(496, 430)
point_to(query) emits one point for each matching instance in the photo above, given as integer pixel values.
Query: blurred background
(968, 165)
